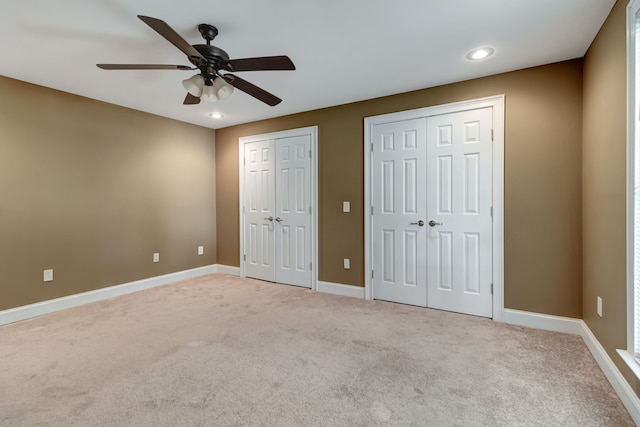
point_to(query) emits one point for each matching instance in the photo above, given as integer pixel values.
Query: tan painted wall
(92, 190)
(604, 185)
(543, 220)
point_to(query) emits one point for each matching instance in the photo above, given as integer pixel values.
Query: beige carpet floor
(224, 351)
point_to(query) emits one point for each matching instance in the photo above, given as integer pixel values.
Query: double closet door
(277, 210)
(431, 186)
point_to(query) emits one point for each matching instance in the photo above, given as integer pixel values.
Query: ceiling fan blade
(251, 89)
(144, 67)
(264, 63)
(191, 100)
(174, 38)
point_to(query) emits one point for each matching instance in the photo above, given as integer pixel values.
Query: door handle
(279, 219)
(432, 223)
(419, 223)
(269, 218)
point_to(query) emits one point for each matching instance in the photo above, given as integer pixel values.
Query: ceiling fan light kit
(210, 85)
(206, 90)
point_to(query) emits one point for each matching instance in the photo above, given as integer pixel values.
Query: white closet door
(277, 205)
(293, 215)
(399, 203)
(259, 201)
(459, 200)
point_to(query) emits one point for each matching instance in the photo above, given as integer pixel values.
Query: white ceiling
(344, 50)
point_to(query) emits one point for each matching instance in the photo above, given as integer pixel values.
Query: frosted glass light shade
(209, 94)
(222, 88)
(194, 85)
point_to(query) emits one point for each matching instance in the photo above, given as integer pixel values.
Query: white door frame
(497, 103)
(313, 132)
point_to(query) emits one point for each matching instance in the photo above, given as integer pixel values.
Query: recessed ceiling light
(480, 53)
(216, 115)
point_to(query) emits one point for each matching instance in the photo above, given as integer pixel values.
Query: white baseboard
(628, 397)
(567, 325)
(340, 289)
(50, 306)
(577, 326)
(225, 269)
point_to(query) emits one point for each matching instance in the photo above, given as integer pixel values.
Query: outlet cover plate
(200, 250)
(47, 275)
(156, 257)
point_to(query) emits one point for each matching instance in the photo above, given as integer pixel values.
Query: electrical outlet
(200, 250)
(347, 263)
(156, 257)
(47, 275)
(599, 306)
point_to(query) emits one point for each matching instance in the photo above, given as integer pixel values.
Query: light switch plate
(599, 306)
(200, 250)
(346, 206)
(347, 263)
(47, 275)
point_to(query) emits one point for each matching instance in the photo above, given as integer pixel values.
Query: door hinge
(244, 257)
(244, 160)
(492, 134)
(309, 210)
(310, 266)
(492, 289)
(491, 211)
(372, 147)
(372, 274)
(371, 210)
(310, 153)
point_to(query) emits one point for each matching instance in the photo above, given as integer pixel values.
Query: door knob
(419, 223)
(269, 218)
(278, 219)
(432, 223)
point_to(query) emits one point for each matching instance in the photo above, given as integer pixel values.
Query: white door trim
(497, 103)
(312, 131)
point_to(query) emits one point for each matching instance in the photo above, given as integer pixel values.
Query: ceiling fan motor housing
(216, 59)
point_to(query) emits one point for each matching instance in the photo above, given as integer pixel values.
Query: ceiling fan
(210, 84)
